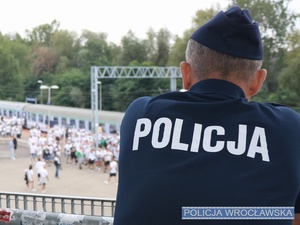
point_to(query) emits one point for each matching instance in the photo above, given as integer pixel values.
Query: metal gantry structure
(100, 72)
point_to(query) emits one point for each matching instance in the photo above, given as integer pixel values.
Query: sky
(113, 17)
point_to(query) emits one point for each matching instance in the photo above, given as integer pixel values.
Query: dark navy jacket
(208, 146)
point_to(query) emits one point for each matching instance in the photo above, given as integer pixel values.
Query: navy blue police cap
(233, 33)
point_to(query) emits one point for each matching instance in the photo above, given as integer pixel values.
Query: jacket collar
(216, 87)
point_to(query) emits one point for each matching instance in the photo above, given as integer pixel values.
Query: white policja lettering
(173, 132)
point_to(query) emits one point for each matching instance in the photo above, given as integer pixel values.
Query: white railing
(58, 204)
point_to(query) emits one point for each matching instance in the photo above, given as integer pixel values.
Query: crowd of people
(11, 126)
(71, 146)
(62, 145)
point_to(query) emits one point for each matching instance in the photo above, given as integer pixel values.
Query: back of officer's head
(228, 45)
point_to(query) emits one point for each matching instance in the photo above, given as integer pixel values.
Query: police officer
(209, 155)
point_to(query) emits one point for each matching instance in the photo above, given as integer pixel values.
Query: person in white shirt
(57, 163)
(33, 151)
(30, 178)
(39, 165)
(43, 140)
(113, 170)
(91, 160)
(39, 151)
(99, 159)
(107, 159)
(68, 147)
(44, 178)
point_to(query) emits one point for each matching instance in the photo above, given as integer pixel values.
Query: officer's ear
(186, 72)
(257, 81)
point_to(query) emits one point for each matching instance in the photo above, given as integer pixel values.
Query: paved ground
(72, 181)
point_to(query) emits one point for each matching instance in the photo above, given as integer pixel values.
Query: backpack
(25, 176)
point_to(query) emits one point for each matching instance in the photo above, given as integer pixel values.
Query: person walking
(33, 151)
(185, 156)
(113, 170)
(26, 178)
(91, 160)
(12, 148)
(68, 147)
(44, 179)
(30, 178)
(47, 154)
(79, 158)
(107, 159)
(57, 164)
(15, 142)
(39, 165)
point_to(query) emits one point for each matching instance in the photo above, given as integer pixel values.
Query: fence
(57, 205)
(27, 217)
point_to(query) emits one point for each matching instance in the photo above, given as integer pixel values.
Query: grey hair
(205, 61)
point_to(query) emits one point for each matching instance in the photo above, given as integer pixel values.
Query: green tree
(276, 20)
(96, 50)
(125, 90)
(289, 77)
(74, 89)
(10, 76)
(158, 46)
(177, 53)
(66, 44)
(45, 61)
(128, 89)
(22, 53)
(163, 47)
(178, 50)
(132, 49)
(42, 34)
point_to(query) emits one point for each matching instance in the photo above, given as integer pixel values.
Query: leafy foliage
(60, 57)
(276, 21)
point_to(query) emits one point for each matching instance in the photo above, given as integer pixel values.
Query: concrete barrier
(22, 217)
